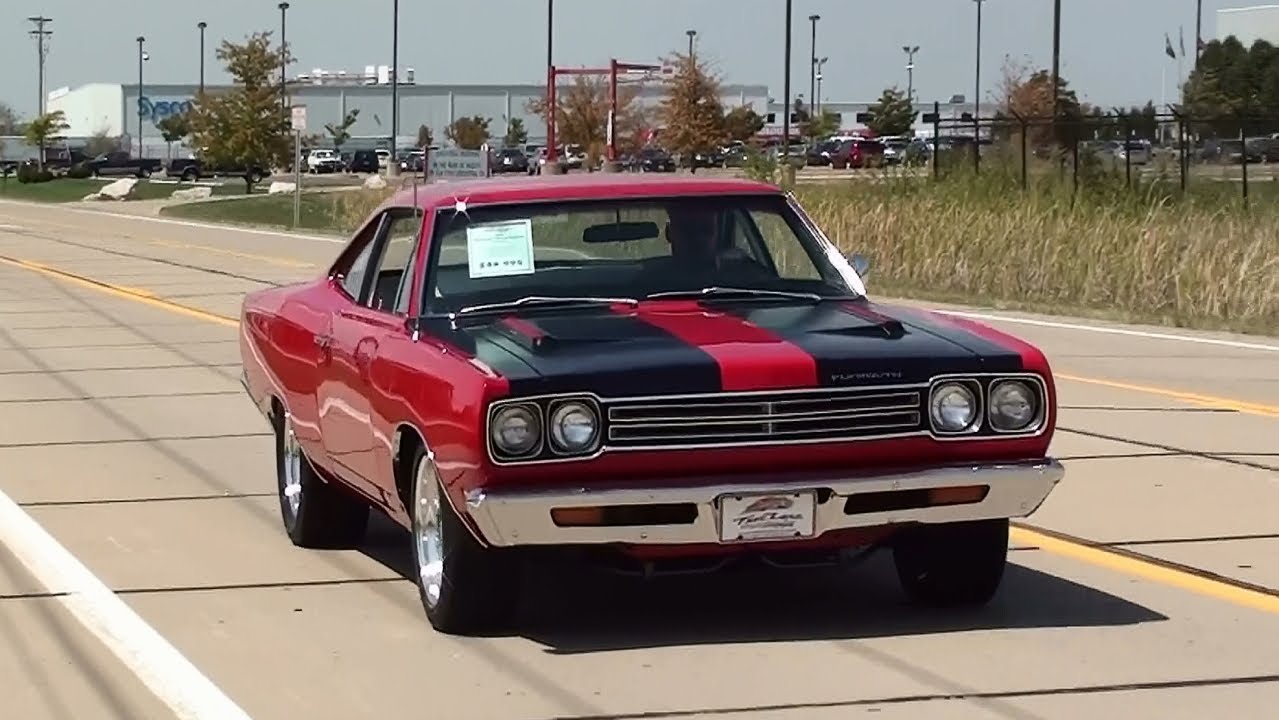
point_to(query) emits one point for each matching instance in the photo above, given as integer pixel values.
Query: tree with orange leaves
(581, 117)
(692, 112)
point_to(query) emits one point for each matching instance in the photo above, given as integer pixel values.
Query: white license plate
(776, 516)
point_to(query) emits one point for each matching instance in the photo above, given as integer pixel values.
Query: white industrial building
(117, 110)
(1249, 24)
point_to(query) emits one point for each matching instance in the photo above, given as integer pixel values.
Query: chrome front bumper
(523, 517)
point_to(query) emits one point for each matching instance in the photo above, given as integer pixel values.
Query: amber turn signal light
(959, 495)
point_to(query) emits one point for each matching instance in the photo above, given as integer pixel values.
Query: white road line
(1113, 331)
(164, 670)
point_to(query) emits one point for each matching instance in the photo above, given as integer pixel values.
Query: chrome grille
(731, 418)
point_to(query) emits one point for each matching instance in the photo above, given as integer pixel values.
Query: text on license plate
(779, 516)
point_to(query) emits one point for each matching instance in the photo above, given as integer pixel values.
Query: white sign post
(299, 125)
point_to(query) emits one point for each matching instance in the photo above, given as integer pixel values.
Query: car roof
(575, 186)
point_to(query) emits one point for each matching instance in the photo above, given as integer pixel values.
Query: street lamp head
(141, 39)
(690, 33)
(202, 25)
(814, 18)
(283, 6)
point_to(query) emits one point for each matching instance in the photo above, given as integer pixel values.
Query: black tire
(325, 516)
(953, 564)
(478, 588)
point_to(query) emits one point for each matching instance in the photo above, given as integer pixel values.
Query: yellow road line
(1147, 569)
(1074, 548)
(286, 262)
(141, 296)
(1213, 401)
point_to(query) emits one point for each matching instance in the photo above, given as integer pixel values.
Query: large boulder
(195, 193)
(121, 189)
(375, 182)
(278, 187)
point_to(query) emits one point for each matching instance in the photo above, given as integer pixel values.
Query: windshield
(628, 248)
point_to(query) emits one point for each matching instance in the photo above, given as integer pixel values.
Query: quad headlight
(574, 426)
(516, 430)
(1014, 406)
(953, 407)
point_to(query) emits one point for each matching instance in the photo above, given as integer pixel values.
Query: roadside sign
(456, 162)
(299, 117)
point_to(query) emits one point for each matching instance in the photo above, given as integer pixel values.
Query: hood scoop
(545, 335)
(849, 322)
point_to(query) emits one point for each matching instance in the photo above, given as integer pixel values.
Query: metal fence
(1172, 146)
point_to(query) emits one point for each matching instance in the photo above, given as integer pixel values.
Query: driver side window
(353, 279)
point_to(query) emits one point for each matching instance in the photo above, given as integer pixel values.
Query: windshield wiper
(539, 301)
(736, 293)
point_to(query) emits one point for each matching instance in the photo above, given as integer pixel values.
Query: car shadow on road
(573, 608)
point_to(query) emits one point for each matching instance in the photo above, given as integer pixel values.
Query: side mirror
(860, 263)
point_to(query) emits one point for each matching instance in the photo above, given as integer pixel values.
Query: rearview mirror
(860, 263)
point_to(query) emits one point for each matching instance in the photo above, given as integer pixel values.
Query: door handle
(323, 340)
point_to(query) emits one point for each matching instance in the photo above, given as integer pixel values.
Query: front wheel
(952, 564)
(465, 588)
(315, 514)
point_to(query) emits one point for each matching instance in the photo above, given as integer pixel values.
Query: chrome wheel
(292, 470)
(428, 532)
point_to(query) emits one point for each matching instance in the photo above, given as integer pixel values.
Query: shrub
(30, 173)
(79, 171)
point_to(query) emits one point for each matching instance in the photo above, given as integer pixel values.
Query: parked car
(192, 169)
(616, 363)
(857, 153)
(364, 161)
(650, 159)
(508, 160)
(323, 160)
(122, 163)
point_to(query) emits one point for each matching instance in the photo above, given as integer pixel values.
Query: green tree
(1231, 81)
(469, 133)
(893, 114)
(824, 125)
(100, 143)
(173, 128)
(425, 138)
(246, 126)
(692, 111)
(515, 133)
(43, 129)
(742, 123)
(341, 132)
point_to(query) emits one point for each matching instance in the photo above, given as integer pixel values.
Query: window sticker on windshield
(500, 248)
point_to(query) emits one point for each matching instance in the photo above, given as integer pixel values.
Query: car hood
(682, 347)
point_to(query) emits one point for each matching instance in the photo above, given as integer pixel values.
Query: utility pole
(692, 34)
(1056, 63)
(42, 51)
(786, 110)
(392, 166)
(550, 78)
(284, 54)
(202, 25)
(812, 65)
(977, 93)
(142, 56)
(817, 99)
(1199, 24)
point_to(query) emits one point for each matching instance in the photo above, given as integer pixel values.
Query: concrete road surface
(144, 572)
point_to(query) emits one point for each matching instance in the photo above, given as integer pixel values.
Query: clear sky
(1112, 50)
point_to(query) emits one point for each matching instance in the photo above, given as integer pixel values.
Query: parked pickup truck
(190, 169)
(121, 163)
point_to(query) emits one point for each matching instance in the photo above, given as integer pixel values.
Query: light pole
(786, 92)
(977, 91)
(692, 34)
(1199, 24)
(41, 51)
(1056, 63)
(550, 79)
(202, 25)
(284, 53)
(142, 56)
(910, 51)
(392, 166)
(812, 63)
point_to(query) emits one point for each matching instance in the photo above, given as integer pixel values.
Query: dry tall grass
(1146, 255)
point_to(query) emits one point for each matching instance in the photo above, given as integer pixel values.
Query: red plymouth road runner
(657, 369)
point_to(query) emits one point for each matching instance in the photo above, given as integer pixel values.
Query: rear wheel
(316, 514)
(952, 564)
(465, 588)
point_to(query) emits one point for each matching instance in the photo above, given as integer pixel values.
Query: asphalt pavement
(144, 572)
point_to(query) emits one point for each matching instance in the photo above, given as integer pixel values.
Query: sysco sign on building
(157, 110)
